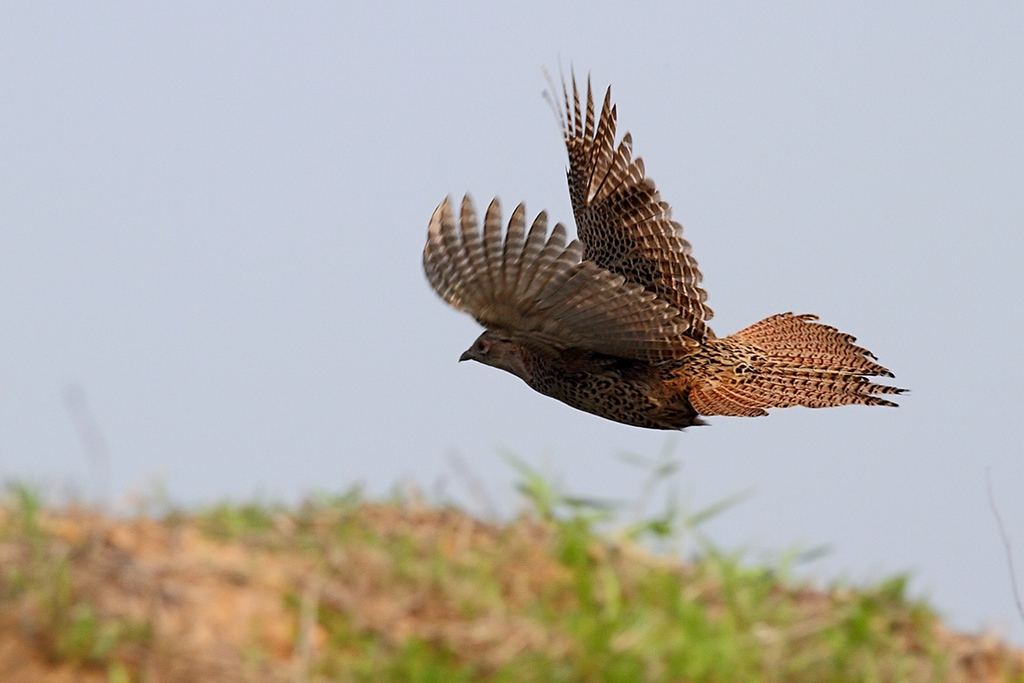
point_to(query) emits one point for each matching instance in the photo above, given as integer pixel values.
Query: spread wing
(535, 287)
(620, 218)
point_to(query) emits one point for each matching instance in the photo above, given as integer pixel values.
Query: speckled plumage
(615, 323)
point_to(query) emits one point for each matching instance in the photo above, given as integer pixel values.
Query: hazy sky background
(212, 215)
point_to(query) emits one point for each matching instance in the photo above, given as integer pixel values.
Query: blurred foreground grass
(342, 589)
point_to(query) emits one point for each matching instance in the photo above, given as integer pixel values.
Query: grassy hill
(347, 590)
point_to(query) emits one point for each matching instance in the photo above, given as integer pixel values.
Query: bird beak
(467, 355)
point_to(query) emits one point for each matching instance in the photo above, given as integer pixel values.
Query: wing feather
(543, 269)
(492, 243)
(546, 295)
(531, 252)
(623, 224)
(515, 240)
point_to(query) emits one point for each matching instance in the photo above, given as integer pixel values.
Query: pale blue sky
(211, 219)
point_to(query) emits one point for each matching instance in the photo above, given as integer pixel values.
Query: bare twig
(93, 441)
(303, 655)
(1006, 544)
(476, 488)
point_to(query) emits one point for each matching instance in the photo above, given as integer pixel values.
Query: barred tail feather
(788, 360)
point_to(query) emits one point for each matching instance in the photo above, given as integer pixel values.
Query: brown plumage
(615, 323)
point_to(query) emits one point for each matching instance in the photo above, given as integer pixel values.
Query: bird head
(492, 348)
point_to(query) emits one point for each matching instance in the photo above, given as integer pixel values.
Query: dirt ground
(169, 603)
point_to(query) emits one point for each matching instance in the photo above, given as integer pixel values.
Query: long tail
(787, 360)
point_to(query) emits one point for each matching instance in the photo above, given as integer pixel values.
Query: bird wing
(623, 224)
(535, 287)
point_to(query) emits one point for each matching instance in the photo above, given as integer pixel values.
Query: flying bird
(615, 322)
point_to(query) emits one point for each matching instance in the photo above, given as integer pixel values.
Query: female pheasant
(615, 323)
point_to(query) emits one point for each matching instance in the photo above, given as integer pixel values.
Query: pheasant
(614, 323)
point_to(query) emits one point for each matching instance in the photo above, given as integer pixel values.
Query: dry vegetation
(345, 590)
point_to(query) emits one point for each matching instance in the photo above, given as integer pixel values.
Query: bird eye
(483, 346)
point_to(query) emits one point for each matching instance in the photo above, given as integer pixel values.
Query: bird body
(633, 392)
(615, 323)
